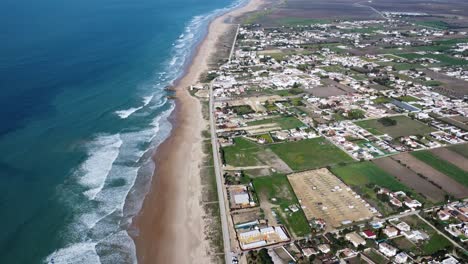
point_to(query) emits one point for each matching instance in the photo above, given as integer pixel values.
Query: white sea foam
(128, 112)
(93, 172)
(98, 235)
(76, 253)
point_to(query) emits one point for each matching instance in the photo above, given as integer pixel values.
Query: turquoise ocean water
(82, 106)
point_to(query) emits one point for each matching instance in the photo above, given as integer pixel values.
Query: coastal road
(219, 184)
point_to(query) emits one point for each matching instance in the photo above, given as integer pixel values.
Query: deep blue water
(82, 101)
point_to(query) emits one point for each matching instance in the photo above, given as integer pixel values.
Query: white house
(387, 250)
(401, 257)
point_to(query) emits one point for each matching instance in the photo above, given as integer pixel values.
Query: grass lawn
(443, 166)
(362, 176)
(277, 186)
(242, 153)
(286, 122)
(405, 126)
(310, 153)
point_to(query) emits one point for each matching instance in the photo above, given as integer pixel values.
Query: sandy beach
(171, 221)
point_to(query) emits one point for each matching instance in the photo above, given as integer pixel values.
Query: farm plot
(461, 149)
(324, 196)
(443, 166)
(434, 176)
(452, 157)
(364, 176)
(404, 126)
(411, 179)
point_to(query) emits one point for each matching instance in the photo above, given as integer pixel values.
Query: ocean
(83, 106)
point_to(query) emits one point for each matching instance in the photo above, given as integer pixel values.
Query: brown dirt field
(448, 7)
(445, 182)
(331, 88)
(452, 157)
(323, 195)
(411, 179)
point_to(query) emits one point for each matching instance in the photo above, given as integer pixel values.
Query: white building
(387, 250)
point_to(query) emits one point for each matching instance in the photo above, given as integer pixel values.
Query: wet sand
(170, 224)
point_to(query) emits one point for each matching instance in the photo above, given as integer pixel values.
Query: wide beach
(171, 223)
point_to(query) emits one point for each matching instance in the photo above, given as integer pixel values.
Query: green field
(401, 66)
(443, 166)
(362, 176)
(444, 59)
(277, 186)
(382, 100)
(310, 153)
(286, 122)
(435, 243)
(405, 126)
(408, 98)
(434, 24)
(243, 153)
(242, 109)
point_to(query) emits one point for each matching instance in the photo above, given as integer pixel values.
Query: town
(344, 141)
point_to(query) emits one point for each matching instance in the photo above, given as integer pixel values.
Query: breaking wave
(106, 180)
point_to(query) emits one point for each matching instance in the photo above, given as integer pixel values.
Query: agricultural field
(363, 177)
(286, 122)
(276, 195)
(432, 175)
(442, 58)
(443, 166)
(461, 149)
(404, 126)
(310, 153)
(411, 179)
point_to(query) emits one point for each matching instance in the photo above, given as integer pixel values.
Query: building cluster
(297, 83)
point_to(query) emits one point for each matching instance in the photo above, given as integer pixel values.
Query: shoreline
(171, 222)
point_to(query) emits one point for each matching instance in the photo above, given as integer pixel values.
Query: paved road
(219, 184)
